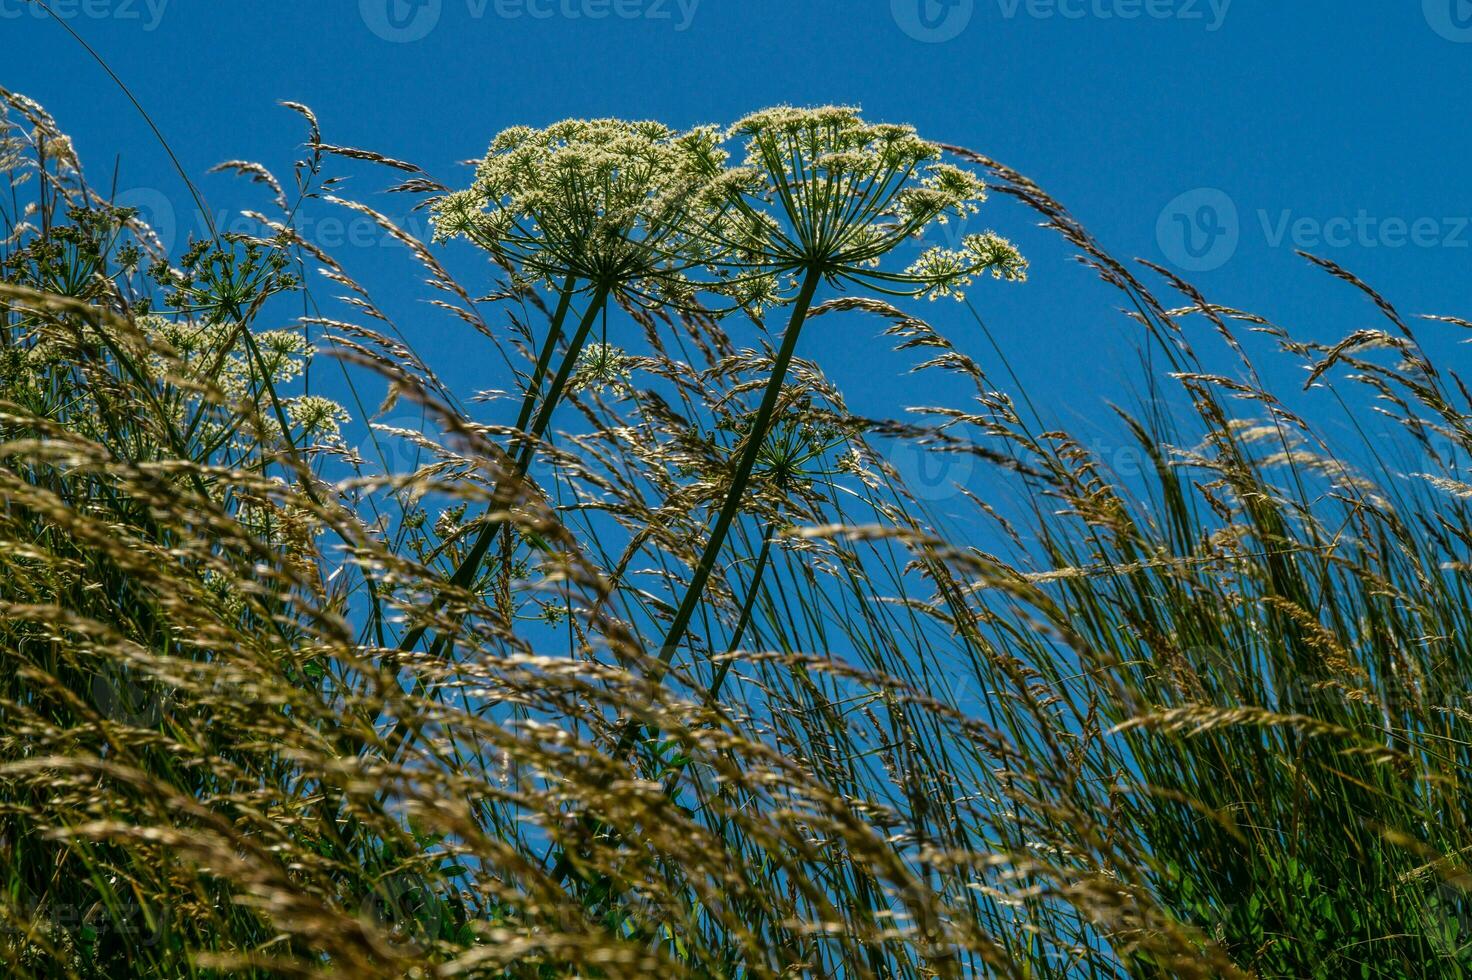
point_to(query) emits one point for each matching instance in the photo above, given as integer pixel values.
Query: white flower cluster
(658, 215)
(600, 366)
(216, 354)
(602, 201)
(947, 272)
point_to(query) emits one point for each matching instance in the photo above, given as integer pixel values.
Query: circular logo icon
(1452, 19)
(932, 21)
(401, 21)
(393, 446)
(930, 474)
(154, 216)
(1199, 231)
(121, 698)
(407, 913)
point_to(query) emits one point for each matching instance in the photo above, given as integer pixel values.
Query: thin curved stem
(402, 736)
(544, 361)
(750, 451)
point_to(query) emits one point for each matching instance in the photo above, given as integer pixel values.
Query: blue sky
(1211, 135)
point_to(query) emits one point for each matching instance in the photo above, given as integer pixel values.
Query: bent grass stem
(465, 572)
(742, 477)
(743, 621)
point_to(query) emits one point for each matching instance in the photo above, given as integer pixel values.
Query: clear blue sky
(1340, 125)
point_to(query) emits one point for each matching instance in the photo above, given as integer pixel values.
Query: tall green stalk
(739, 481)
(544, 360)
(742, 477)
(469, 566)
(402, 735)
(743, 620)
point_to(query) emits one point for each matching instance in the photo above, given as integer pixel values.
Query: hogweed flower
(793, 453)
(601, 365)
(947, 272)
(821, 191)
(320, 420)
(825, 197)
(605, 202)
(603, 205)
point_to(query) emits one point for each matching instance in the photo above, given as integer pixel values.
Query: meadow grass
(674, 676)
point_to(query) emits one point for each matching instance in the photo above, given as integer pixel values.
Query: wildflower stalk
(742, 477)
(403, 735)
(544, 360)
(466, 571)
(743, 621)
(739, 481)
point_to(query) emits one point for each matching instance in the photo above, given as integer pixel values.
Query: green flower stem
(554, 334)
(750, 451)
(563, 866)
(466, 571)
(401, 736)
(470, 566)
(559, 383)
(742, 477)
(745, 619)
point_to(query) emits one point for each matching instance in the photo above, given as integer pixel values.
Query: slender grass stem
(402, 735)
(742, 477)
(544, 360)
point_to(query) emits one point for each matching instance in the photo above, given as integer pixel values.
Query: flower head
(599, 366)
(604, 201)
(946, 272)
(822, 190)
